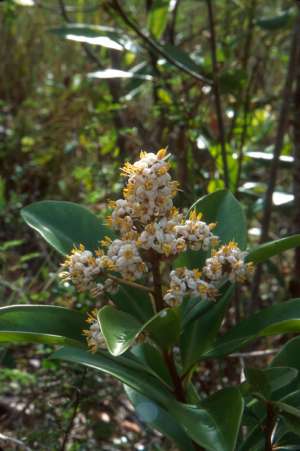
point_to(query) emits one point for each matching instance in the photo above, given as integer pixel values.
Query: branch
(216, 89)
(75, 409)
(269, 426)
(130, 283)
(281, 130)
(153, 44)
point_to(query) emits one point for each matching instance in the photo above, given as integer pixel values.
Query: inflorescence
(150, 227)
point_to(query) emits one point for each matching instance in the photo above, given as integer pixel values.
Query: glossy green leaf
(41, 324)
(120, 329)
(117, 73)
(158, 418)
(157, 18)
(65, 224)
(289, 356)
(201, 333)
(126, 370)
(151, 358)
(205, 424)
(164, 327)
(281, 376)
(181, 57)
(208, 425)
(268, 250)
(274, 320)
(134, 301)
(258, 382)
(222, 208)
(94, 34)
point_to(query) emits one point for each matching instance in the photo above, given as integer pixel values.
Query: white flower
(126, 259)
(228, 261)
(81, 268)
(94, 335)
(197, 233)
(149, 190)
(184, 282)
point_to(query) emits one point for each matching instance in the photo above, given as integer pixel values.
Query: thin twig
(217, 94)
(75, 409)
(269, 426)
(131, 284)
(251, 354)
(154, 45)
(281, 130)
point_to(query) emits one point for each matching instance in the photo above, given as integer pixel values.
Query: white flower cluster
(121, 217)
(197, 233)
(170, 236)
(151, 229)
(81, 267)
(185, 281)
(228, 261)
(161, 237)
(126, 259)
(150, 189)
(94, 335)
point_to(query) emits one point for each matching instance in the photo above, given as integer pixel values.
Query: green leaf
(158, 418)
(289, 356)
(258, 381)
(117, 73)
(151, 358)
(276, 22)
(65, 225)
(92, 34)
(201, 333)
(205, 424)
(164, 327)
(41, 324)
(278, 319)
(280, 376)
(220, 207)
(224, 209)
(133, 301)
(180, 56)
(208, 425)
(120, 329)
(126, 370)
(268, 250)
(157, 18)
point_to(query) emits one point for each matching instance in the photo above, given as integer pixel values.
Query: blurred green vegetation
(68, 120)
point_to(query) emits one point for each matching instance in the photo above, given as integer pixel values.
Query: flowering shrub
(165, 280)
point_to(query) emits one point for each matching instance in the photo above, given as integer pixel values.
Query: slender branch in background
(281, 130)
(130, 283)
(86, 48)
(115, 5)
(172, 25)
(244, 64)
(269, 426)
(246, 108)
(295, 282)
(217, 94)
(112, 84)
(75, 410)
